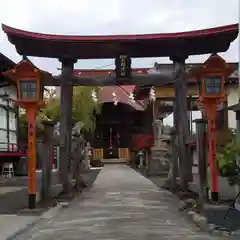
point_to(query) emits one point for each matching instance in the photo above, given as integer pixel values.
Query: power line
(102, 66)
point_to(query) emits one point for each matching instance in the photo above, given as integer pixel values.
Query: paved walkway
(121, 205)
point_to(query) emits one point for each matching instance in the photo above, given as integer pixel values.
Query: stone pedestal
(158, 163)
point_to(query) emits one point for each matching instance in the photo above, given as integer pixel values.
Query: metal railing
(13, 147)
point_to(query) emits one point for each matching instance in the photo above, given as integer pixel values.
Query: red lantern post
(211, 77)
(30, 97)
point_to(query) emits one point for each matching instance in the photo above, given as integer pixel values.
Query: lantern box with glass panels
(28, 80)
(211, 77)
(212, 86)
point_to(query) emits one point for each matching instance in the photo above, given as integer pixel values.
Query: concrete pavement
(10, 224)
(13, 197)
(16, 188)
(121, 205)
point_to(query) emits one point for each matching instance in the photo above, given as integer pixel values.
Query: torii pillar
(181, 119)
(65, 121)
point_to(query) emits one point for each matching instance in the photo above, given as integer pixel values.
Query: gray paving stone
(121, 205)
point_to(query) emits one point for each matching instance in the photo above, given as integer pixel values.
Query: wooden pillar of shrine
(181, 119)
(65, 121)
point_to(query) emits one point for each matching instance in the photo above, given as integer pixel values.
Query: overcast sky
(93, 17)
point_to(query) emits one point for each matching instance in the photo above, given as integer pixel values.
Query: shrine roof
(195, 42)
(122, 93)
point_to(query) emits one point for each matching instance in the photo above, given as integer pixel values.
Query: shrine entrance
(115, 131)
(123, 48)
(115, 128)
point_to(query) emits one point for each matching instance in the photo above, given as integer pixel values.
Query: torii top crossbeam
(145, 45)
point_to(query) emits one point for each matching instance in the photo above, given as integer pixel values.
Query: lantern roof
(25, 65)
(213, 64)
(196, 42)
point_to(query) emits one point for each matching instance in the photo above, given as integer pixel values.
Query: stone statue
(88, 154)
(158, 131)
(77, 128)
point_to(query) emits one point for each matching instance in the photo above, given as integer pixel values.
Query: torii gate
(68, 49)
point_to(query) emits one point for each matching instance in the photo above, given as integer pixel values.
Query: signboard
(123, 68)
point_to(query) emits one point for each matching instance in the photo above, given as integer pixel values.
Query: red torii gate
(68, 49)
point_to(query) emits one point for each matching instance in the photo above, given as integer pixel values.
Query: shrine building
(125, 119)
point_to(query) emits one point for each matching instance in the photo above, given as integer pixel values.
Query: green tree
(226, 158)
(84, 108)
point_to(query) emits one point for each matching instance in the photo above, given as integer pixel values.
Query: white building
(8, 110)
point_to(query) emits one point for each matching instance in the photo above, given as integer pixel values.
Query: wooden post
(236, 109)
(31, 117)
(175, 122)
(75, 154)
(78, 158)
(46, 159)
(65, 122)
(174, 164)
(225, 110)
(202, 163)
(182, 120)
(190, 101)
(211, 109)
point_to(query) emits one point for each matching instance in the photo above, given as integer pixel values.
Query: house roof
(165, 69)
(5, 64)
(195, 42)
